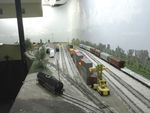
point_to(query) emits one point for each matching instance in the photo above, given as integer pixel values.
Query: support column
(20, 28)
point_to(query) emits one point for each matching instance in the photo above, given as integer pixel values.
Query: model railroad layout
(137, 100)
(89, 64)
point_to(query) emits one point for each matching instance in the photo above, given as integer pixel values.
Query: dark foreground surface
(44, 106)
(33, 98)
(12, 73)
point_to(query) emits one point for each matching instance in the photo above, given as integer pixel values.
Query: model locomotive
(50, 83)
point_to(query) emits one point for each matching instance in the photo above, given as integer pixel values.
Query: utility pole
(20, 28)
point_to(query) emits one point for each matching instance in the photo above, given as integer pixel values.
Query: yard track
(136, 100)
(87, 106)
(79, 84)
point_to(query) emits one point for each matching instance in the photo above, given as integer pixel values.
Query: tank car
(50, 83)
(104, 56)
(86, 47)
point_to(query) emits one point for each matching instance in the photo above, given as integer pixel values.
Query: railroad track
(142, 104)
(83, 87)
(64, 72)
(81, 103)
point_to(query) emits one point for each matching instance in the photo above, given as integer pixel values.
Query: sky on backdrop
(123, 23)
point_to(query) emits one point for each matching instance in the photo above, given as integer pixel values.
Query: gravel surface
(33, 98)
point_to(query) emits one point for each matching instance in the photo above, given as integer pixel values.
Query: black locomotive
(50, 83)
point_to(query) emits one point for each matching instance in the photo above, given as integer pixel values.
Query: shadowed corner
(44, 106)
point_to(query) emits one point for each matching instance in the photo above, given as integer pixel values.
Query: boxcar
(116, 62)
(97, 52)
(92, 50)
(104, 56)
(78, 57)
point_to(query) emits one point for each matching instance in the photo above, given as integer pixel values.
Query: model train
(105, 56)
(50, 83)
(83, 65)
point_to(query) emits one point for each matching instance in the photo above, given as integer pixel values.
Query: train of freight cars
(105, 56)
(83, 65)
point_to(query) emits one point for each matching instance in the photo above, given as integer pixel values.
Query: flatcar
(50, 83)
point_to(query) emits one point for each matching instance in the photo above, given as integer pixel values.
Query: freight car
(75, 51)
(105, 56)
(116, 62)
(70, 49)
(86, 47)
(50, 83)
(92, 50)
(89, 77)
(97, 52)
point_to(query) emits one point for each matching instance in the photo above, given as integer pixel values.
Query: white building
(30, 8)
